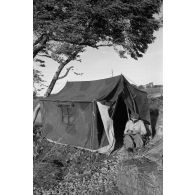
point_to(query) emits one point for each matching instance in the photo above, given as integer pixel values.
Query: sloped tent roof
(105, 90)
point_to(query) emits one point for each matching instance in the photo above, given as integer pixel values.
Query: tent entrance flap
(108, 128)
(120, 119)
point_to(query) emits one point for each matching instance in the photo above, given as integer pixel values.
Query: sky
(99, 64)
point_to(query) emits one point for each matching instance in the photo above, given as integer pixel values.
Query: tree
(37, 80)
(126, 25)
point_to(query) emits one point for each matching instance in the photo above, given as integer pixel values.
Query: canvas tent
(92, 114)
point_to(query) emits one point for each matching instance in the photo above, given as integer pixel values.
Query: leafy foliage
(38, 82)
(64, 28)
(128, 25)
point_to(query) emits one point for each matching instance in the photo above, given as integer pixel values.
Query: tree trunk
(59, 70)
(36, 111)
(40, 44)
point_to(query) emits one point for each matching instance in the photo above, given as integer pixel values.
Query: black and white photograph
(97, 97)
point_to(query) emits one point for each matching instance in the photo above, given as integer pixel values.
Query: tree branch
(45, 55)
(67, 71)
(37, 50)
(35, 112)
(104, 45)
(39, 39)
(40, 44)
(78, 74)
(82, 43)
(60, 68)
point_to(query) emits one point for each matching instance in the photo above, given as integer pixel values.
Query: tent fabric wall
(137, 101)
(79, 133)
(141, 103)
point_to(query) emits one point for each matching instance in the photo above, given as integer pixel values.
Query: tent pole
(93, 116)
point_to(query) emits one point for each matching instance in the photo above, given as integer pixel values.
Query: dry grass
(68, 170)
(141, 173)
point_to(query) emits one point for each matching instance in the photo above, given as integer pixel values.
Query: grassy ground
(67, 170)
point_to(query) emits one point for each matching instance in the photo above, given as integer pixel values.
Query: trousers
(133, 141)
